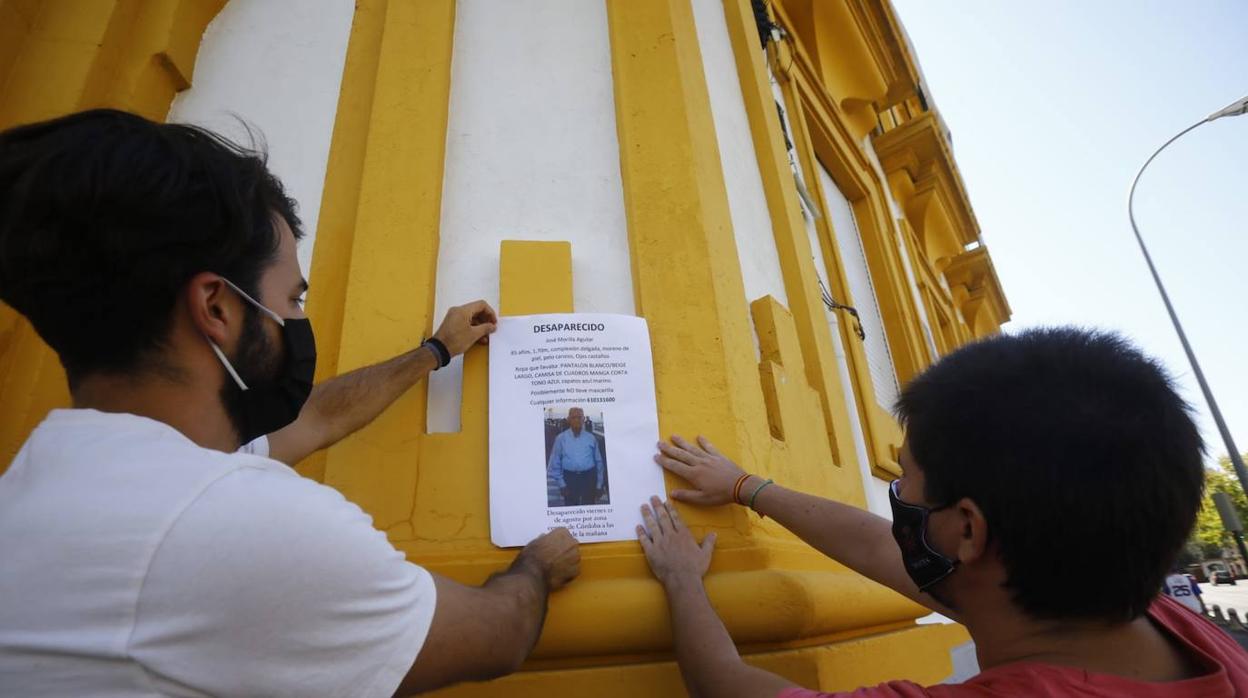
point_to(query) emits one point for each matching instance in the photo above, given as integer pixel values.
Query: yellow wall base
(917, 653)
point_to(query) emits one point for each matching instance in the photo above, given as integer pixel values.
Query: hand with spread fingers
(703, 466)
(670, 548)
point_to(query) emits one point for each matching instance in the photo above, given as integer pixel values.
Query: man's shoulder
(122, 469)
(123, 444)
(254, 490)
(280, 577)
(261, 525)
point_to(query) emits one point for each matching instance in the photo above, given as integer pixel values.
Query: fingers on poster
(573, 423)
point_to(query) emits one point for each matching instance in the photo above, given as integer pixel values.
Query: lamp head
(1233, 109)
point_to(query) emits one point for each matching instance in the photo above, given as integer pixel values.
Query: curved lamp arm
(1234, 109)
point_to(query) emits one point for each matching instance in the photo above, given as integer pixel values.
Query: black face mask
(264, 407)
(924, 564)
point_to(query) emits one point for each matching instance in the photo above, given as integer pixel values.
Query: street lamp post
(1231, 522)
(1234, 109)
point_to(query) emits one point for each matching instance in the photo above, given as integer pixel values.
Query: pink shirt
(1224, 661)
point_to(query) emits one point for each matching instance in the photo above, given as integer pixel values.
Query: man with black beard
(143, 553)
(342, 405)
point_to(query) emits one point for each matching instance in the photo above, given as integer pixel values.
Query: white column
(862, 287)
(531, 154)
(747, 201)
(277, 66)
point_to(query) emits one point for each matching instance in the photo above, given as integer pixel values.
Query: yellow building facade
(734, 177)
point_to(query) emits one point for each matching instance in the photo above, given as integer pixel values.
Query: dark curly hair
(105, 216)
(1081, 455)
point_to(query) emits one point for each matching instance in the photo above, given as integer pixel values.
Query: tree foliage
(1209, 534)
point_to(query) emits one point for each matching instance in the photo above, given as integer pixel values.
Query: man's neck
(576, 432)
(1137, 649)
(195, 412)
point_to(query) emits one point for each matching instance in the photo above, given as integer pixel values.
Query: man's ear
(214, 309)
(973, 534)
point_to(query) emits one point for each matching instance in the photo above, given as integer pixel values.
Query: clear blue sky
(1053, 107)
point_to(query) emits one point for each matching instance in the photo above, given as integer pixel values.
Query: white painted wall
(877, 498)
(751, 218)
(862, 287)
(877, 494)
(879, 360)
(808, 207)
(278, 66)
(531, 154)
(874, 489)
(747, 201)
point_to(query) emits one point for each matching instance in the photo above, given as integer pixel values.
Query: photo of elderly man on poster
(576, 457)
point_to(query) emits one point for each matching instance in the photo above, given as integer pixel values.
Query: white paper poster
(573, 424)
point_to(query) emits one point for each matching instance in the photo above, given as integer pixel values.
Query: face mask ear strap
(276, 318)
(225, 362)
(953, 566)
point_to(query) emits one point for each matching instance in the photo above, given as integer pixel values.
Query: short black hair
(1083, 457)
(105, 216)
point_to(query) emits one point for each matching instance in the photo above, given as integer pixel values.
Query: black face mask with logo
(923, 563)
(263, 408)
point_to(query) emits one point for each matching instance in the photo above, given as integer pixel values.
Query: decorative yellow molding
(981, 289)
(839, 663)
(792, 244)
(680, 234)
(936, 297)
(822, 136)
(393, 251)
(920, 149)
(836, 40)
(977, 292)
(340, 201)
(926, 183)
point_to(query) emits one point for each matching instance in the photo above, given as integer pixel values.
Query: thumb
(708, 543)
(694, 497)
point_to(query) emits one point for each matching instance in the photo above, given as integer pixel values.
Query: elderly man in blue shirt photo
(576, 464)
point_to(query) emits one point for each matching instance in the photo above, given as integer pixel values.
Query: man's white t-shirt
(133, 562)
(256, 447)
(1181, 589)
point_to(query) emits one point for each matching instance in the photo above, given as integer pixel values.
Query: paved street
(1235, 597)
(1228, 597)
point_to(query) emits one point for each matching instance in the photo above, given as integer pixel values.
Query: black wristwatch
(440, 351)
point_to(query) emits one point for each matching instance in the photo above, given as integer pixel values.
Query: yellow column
(388, 275)
(792, 243)
(340, 202)
(686, 274)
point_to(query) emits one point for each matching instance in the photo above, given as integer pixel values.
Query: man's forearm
(522, 592)
(342, 405)
(856, 538)
(352, 400)
(709, 661)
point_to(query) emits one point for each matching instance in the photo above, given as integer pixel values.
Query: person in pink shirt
(1028, 459)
